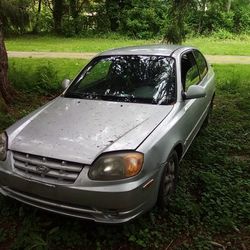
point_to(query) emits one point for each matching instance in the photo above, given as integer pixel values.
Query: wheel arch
(179, 150)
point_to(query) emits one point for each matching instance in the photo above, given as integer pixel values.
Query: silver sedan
(108, 148)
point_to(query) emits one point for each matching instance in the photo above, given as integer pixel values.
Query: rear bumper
(122, 204)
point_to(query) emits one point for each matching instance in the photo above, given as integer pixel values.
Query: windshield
(128, 78)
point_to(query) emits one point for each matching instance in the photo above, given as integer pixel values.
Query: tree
(113, 13)
(36, 29)
(57, 15)
(114, 9)
(11, 13)
(144, 19)
(75, 8)
(57, 9)
(175, 33)
(5, 89)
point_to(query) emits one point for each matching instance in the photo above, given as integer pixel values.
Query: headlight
(116, 166)
(3, 146)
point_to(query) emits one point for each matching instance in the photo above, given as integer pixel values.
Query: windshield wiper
(119, 98)
(83, 95)
(127, 98)
(73, 95)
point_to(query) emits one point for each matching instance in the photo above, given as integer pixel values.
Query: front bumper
(106, 204)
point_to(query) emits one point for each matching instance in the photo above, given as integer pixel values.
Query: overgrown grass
(214, 46)
(42, 75)
(212, 202)
(60, 44)
(208, 45)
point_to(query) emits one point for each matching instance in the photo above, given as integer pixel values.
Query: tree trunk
(35, 29)
(202, 11)
(57, 15)
(74, 12)
(6, 93)
(175, 33)
(113, 13)
(73, 9)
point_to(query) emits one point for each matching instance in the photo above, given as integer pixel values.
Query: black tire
(168, 180)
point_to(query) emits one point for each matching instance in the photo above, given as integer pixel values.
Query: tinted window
(201, 62)
(145, 79)
(193, 76)
(189, 70)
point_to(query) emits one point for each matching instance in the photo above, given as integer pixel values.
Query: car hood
(80, 130)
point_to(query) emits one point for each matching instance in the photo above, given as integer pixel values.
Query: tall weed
(41, 80)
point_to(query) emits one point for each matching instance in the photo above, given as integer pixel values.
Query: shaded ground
(218, 59)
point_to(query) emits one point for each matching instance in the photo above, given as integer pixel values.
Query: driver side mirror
(193, 92)
(65, 83)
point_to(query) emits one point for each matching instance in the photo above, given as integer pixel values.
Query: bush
(223, 34)
(43, 79)
(76, 26)
(241, 20)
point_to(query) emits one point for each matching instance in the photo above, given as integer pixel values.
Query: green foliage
(6, 120)
(42, 76)
(241, 19)
(223, 34)
(214, 20)
(212, 201)
(69, 27)
(43, 21)
(145, 20)
(43, 80)
(177, 14)
(14, 15)
(135, 18)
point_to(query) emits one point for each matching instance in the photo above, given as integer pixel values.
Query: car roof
(160, 49)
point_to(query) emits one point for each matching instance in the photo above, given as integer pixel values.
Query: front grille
(46, 169)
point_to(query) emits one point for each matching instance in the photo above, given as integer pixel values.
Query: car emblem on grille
(42, 169)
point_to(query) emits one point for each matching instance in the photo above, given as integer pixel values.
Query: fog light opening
(111, 213)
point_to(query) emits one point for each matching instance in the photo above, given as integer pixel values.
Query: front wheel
(168, 180)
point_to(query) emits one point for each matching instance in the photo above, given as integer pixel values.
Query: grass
(212, 202)
(42, 75)
(213, 46)
(65, 68)
(60, 44)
